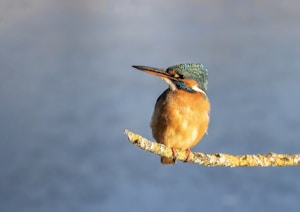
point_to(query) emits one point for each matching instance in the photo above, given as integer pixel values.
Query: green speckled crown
(194, 71)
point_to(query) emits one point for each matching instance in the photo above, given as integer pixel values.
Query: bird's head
(191, 77)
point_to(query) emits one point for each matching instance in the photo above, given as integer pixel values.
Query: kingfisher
(181, 114)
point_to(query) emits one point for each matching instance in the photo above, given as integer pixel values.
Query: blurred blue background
(67, 92)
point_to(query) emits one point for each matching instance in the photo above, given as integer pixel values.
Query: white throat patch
(170, 83)
(196, 88)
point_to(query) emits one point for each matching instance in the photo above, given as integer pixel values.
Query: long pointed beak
(154, 71)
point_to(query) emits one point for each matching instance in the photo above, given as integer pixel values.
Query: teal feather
(194, 71)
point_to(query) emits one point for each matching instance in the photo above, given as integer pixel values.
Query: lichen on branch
(216, 159)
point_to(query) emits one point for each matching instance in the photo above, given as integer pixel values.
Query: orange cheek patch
(190, 83)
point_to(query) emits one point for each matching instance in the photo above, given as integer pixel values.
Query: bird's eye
(180, 76)
(174, 74)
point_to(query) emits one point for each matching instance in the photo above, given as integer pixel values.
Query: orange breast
(180, 118)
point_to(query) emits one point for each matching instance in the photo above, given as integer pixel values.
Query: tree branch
(216, 159)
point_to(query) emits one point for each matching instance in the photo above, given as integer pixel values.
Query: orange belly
(180, 118)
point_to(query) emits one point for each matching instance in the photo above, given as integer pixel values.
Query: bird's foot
(188, 152)
(174, 154)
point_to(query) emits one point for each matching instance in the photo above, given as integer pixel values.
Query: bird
(181, 114)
